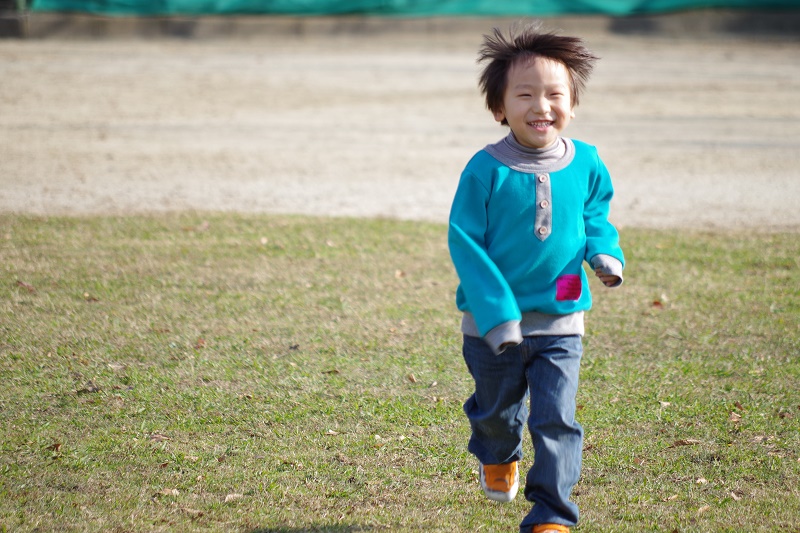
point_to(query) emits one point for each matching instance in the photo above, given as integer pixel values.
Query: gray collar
(531, 160)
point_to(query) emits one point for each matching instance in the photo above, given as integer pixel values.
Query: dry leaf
(158, 437)
(233, 497)
(89, 298)
(399, 274)
(27, 287)
(342, 458)
(168, 492)
(673, 497)
(702, 481)
(735, 496)
(200, 344)
(264, 240)
(164, 465)
(703, 509)
(735, 417)
(686, 442)
(193, 513)
(412, 378)
(55, 447)
(89, 388)
(331, 432)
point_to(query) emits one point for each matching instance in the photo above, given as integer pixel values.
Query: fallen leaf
(665, 404)
(332, 371)
(164, 465)
(158, 437)
(55, 447)
(686, 442)
(264, 240)
(703, 509)
(89, 298)
(739, 406)
(735, 496)
(735, 417)
(89, 388)
(168, 492)
(399, 274)
(412, 378)
(331, 432)
(673, 497)
(702, 481)
(785, 414)
(192, 513)
(200, 344)
(342, 458)
(27, 287)
(233, 497)
(657, 304)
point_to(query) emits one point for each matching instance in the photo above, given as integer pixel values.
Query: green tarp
(395, 7)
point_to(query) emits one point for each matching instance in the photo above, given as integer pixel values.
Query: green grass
(253, 373)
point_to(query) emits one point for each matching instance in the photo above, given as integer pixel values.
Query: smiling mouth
(541, 124)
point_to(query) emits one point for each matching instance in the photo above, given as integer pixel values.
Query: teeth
(540, 124)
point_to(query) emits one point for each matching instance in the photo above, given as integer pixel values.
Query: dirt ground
(697, 132)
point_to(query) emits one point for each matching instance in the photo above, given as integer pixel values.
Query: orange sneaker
(500, 482)
(550, 528)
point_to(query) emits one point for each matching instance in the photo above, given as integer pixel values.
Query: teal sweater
(520, 231)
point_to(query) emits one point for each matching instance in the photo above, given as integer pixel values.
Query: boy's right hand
(609, 280)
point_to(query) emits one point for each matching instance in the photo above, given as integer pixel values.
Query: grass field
(207, 372)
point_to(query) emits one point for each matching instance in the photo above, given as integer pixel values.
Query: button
(543, 204)
(542, 178)
(542, 231)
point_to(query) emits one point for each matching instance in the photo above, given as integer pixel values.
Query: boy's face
(537, 102)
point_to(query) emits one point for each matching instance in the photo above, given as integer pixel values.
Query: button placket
(544, 207)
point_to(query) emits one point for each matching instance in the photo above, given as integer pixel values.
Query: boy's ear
(499, 115)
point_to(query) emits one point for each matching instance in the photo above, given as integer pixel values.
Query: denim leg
(498, 409)
(552, 371)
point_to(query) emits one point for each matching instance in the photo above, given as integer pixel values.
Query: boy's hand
(609, 280)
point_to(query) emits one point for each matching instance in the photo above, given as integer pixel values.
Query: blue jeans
(545, 370)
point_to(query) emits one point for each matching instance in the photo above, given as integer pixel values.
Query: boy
(527, 212)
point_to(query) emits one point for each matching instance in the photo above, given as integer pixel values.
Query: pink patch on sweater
(568, 287)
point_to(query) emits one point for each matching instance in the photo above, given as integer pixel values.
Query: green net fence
(395, 7)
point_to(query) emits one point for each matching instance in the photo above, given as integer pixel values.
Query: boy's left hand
(609, 280)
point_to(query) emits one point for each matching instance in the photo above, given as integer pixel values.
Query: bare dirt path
(696, 132)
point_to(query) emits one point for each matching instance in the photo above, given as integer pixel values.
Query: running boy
(528, 211)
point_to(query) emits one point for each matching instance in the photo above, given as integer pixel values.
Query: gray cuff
(507, 333)
(608, 265)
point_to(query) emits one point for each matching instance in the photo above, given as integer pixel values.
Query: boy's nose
(540, 105)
